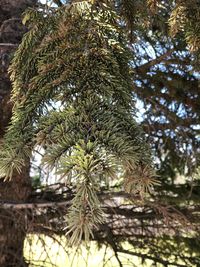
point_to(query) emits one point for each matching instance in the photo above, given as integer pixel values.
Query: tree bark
(12, 223)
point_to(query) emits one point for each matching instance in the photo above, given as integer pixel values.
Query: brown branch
(34, 205)
(21, 206)
(155, 61)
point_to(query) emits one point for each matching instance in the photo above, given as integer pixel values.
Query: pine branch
(78, 57)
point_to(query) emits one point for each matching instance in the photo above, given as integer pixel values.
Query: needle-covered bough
(72, 96)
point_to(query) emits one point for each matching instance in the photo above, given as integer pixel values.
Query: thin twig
(9, 44)
(21, 206)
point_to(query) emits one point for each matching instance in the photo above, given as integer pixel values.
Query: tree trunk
(12, 223)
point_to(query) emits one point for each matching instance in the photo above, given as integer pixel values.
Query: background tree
(12, 224)
(54, 110)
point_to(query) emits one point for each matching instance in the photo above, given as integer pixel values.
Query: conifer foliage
(72, 95)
